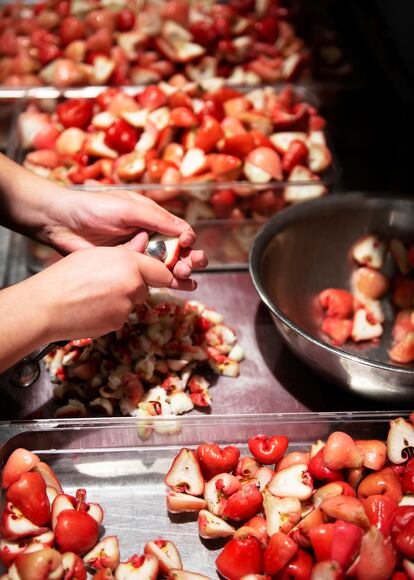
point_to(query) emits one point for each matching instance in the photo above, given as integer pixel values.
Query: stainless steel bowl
(304, 250)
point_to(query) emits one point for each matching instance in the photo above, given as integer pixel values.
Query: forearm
(25, 199)
(24, 323)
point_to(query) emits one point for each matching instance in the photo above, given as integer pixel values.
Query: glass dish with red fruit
(202, 153)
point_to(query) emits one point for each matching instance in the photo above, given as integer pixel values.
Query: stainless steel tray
(272, 379)
(125, 474)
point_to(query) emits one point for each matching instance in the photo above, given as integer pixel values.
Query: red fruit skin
(400, 519)
(125, 20)
(208, 135)
(152, 98)
(407, 480)
(319, 471)
(238, 145)
(243, 504)
(214, 460)
(47, 53)
(121, 136)
(338, 330)
(29, 495)
(268, 450)
(338, 303)
(384, 482)
(223, 201)
(321, 538)
(299, 567)
(76, 531)
(20, 461)
(212, 108)
(346, 542)
(296, 154)
(404, 540)
(240, 557)
(71, 29)
(75, 113)
(380, 510)
(279, 551)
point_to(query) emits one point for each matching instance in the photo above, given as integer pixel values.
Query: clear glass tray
(125, 473)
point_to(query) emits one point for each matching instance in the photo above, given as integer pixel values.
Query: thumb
(138, 243)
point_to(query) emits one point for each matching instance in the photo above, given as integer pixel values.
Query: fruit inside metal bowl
(307, 249)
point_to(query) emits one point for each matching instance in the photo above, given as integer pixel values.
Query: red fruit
(279, 551)
(214, 460)
(299, 567)
(239, 145)
(338, 330)
(377, 557)
(404, 540)
(75, 113)
(380, 510)
(63, 8)
(260, 140)
(403, 292)
(125, 20)
(318, 469)
(121, 136)
(20, 462)
(28, 494)
(71, 29)
(346, 542)
(403, 351)
(208, 135)
(243, 504)
(222, 202)
(240, 557)
(296, 154)
(182, 117)
(48, 52)
(76, 531)
(402, 516)
(212, 108)
(384, 482)
(268, 450)
(321, 538)
(152, 98)
(337, 303)
(407, 480)
(204, 32)
(267, 29)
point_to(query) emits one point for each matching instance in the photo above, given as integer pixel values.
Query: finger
(187, 238)
(199, 260)
(186, 285)
(157, 275)
(196, 259)
(150, 216)
(138, 243)
(182, 270)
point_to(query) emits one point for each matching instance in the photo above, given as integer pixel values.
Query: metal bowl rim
(277, 224)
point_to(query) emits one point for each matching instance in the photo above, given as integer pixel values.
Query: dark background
(368, 96)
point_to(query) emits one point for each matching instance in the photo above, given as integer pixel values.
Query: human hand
(81, 220)
(91, 292)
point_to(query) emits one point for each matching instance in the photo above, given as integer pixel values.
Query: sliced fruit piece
(184, 474)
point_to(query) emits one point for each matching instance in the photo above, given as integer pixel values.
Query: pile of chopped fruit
(157, 364)
(342, 509)
(70, 43)
(49, 534)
